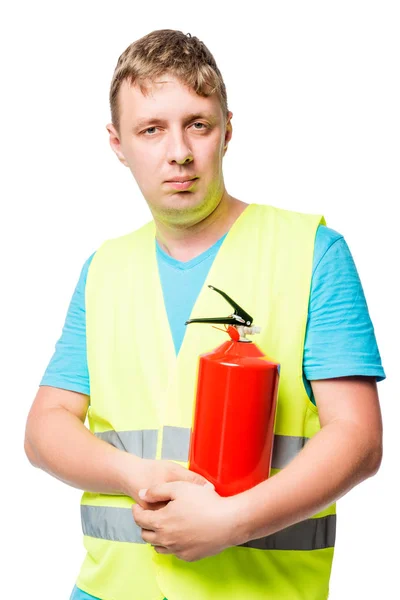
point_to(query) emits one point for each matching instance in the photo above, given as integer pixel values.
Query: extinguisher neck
(243, 331)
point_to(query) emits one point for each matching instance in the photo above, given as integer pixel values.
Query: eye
(202, 125)
(148, 129)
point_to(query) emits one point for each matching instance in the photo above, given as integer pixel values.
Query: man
(125, 359)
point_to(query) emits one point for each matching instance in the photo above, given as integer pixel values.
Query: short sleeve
(340, 339)
(68, 368)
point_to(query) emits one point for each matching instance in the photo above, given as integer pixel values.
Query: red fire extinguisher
(233, 426)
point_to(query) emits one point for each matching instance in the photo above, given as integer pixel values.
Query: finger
(198, 479)
(159, 493)
(150, 537)
(144, 518)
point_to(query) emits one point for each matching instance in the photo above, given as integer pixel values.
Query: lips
(181, 179)
(182, 184)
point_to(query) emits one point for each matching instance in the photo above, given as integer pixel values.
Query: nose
(178, 149)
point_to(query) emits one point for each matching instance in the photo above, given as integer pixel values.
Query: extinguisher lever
(239, 316)
(231, 320)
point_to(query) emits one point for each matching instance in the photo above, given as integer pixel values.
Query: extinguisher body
(233, 423)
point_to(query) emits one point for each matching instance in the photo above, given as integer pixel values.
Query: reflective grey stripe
(142, 442)
(286, 447)
(175, 445)
(118, 525)
(176, 441)
(312, 534)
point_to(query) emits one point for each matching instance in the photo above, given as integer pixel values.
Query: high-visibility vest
(142, 398)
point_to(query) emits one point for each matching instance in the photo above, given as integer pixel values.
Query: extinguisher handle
(222, 320)
(239, 316)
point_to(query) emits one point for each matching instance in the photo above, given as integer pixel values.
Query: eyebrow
(191, 117)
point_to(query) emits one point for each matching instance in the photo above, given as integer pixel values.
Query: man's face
(170, 134)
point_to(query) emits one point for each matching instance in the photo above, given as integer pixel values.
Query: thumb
(158, 493)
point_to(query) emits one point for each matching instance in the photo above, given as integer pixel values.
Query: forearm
(61, 445)
(336, 459)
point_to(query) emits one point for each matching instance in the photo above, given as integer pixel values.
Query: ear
(228, 131)
(115, 143)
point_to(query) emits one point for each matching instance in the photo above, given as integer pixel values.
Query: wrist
(239, 515)
(130, 474)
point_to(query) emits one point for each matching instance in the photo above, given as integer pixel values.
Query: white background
(314, 90)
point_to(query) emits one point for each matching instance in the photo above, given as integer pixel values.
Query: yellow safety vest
(142, 398)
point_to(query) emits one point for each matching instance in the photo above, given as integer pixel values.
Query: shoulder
(84, 272)
(325, 239)
(340, 339)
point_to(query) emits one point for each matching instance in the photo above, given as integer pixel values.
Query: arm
(57, 441)
(339, 343)
(347, 450)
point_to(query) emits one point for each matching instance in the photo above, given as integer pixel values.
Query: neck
(186, 243)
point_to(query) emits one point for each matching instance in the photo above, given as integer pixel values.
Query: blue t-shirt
(339, 340)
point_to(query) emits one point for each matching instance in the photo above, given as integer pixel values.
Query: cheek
(212, 159)
(142, 166)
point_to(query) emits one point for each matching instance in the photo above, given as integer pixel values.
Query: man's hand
(194, 523)
(157, 472)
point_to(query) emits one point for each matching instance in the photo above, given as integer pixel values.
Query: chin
(182, 208)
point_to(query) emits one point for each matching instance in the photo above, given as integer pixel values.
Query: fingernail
(142, 494)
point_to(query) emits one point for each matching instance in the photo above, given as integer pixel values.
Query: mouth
(182, 185)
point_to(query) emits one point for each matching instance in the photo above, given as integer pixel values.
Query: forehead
(166, 97)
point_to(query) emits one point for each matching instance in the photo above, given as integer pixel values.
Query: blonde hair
(168, 51)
